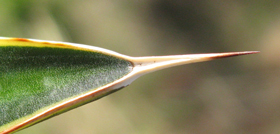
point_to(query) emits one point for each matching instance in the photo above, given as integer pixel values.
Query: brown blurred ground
(235, 95)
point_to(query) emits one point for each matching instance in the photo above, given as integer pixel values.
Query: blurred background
(234, 95)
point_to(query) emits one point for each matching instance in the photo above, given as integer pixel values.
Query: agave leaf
(41, 79)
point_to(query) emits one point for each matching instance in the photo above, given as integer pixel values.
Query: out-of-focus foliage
(238, 95)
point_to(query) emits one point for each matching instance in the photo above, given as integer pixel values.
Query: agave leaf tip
(231, 54)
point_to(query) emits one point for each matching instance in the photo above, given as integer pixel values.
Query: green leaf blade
(34, 78)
